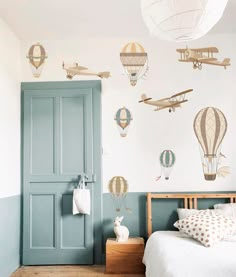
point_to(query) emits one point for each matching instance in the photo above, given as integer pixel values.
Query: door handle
(93, 180)
(84, 178)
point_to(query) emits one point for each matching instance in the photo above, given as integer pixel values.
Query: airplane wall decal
(76, 69)
(170, 103)
(201, 56)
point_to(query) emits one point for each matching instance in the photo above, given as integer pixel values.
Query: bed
(172, 254)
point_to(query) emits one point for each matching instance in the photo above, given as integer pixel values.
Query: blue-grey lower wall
(134, 220)
(10, 222)
(164, 213)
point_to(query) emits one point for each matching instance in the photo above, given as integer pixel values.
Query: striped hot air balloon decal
(134, 60)
(167, 160)
(210, 126)
(132, 47)
(123, 118)
(118, 188)
(37, 56)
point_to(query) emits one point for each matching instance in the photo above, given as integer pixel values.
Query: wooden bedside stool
(125, 257)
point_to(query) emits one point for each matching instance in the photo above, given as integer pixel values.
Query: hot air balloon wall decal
(118, 188)
(135, 61)
(123, 118)
(37, 56)
(210, 126)
(167, 160)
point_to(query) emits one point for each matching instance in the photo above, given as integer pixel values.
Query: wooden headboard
(190, 202)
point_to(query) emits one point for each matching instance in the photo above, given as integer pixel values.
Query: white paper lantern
(181, 20)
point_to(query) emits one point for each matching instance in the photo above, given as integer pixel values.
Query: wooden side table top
(134, 240)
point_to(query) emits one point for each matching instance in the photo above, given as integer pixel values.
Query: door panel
(72, 135)
(58, 145)
(42, 135)
(42, 216)
(73, 237)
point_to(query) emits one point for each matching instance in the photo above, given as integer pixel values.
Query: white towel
(81, 201)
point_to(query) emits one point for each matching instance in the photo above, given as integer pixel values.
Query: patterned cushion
(206, 227)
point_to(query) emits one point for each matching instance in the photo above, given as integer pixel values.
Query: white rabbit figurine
(122, 232)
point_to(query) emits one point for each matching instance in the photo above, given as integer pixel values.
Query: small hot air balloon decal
(37, 56)
(123, 118)
(135, 61)
(210, 126)
(167, 161)
(118, 188)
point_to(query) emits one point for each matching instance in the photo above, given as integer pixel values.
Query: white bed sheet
(169, 254)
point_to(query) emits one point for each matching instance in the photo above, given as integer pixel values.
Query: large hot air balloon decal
(135, 61)
(167, 161)
(37, 56)
(118, 188)
(210, 126)
(123, 118)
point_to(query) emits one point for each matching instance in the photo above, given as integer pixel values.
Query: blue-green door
(61, 140)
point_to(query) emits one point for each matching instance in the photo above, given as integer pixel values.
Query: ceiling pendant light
(181, 20)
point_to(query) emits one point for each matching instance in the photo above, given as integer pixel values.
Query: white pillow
(219, 206)
(183, 213)
(207, 227)
(227, 209)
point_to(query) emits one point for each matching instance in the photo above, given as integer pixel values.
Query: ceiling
(72, 19)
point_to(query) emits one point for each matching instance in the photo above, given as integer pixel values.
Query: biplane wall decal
(170, 103)
(75, 69)
(201, 56)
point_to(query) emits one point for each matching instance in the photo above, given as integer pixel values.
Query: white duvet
(169, 254)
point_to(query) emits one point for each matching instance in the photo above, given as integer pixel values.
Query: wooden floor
(66, 271)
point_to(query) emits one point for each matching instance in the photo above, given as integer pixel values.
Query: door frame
(95, 85)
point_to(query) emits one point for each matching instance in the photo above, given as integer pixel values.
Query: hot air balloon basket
(210, 177)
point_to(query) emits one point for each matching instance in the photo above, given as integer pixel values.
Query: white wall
(9, 112)
(151, 132)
